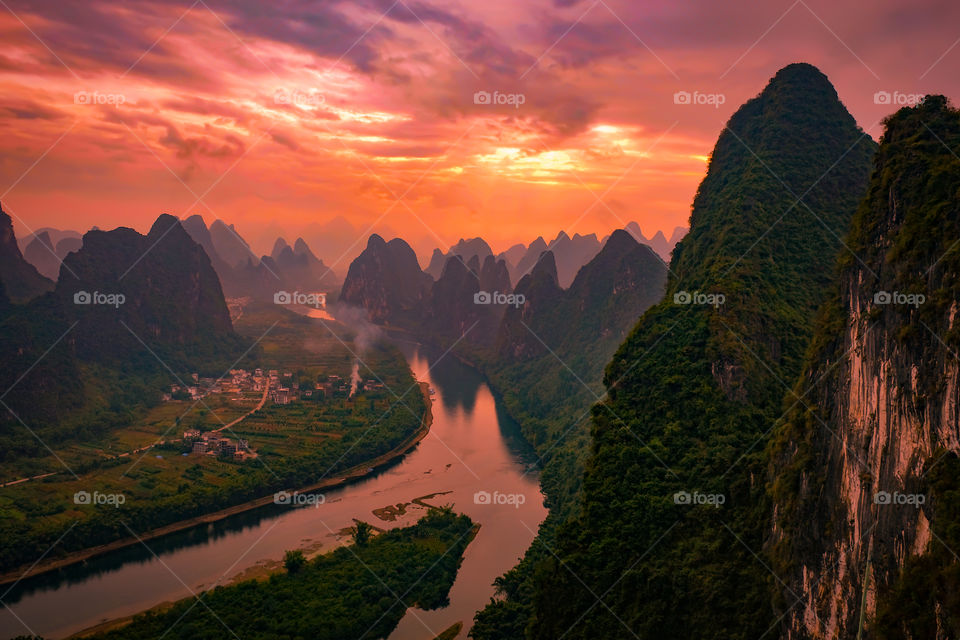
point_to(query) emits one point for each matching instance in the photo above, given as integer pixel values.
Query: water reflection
(472, 446)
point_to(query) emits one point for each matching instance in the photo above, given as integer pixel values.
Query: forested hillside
(674, 498)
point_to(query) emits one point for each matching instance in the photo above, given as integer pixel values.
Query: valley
(536, 320)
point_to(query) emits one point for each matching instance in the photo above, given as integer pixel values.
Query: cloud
(385, 104)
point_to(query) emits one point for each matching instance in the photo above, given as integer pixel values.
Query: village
(281, 388)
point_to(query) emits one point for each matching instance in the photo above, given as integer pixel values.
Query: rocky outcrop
(164, 287)
(386, 281)
(878, 409)
(667, 429)
(21, 279)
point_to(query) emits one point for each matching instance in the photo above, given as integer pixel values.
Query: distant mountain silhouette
(55, 235)
(42, 254)
(513, 255)
(300, 269)
(67, 245)
(465, 249)
(286, 269)
(230, 246)
(530, 258)
(658, 242)
(573, 253)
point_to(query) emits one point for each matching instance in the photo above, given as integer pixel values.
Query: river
(473, 451)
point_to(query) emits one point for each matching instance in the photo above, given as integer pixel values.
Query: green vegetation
(924, 600)
(81, 370)
(353, 592)
(904, 235)
(295, 445)
(294, 560)
(362, 533)
(694, 389)
(548, 374)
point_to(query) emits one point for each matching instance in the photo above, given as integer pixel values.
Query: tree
(294, 560)
(362, 533)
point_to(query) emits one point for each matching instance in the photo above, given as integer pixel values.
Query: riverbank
(352, 474)
(327, 585)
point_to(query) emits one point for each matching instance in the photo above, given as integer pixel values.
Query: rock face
(859, 508)
(171, 294)
(386, 280)
(125, 301)
(695, 388)
(21, 279)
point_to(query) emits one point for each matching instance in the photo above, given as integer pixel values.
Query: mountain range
(758, 439)
(672, 518)
(569, 253)
(243, 274)
(126, 306)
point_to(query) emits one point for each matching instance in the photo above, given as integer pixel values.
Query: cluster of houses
(280, 385)
(332, 387)
(211, 443)
(237, 382)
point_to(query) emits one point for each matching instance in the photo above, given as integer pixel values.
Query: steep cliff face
(386, 280)
(520, 332)
(20, 278)
(876, 417)
(464, 301)
(170, 292)
(124, 301)
(673, 513)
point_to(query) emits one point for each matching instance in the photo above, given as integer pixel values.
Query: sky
(430, 120)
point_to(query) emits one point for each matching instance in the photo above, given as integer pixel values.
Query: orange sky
(274, 116)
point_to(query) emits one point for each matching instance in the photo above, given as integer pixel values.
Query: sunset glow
(492, 119)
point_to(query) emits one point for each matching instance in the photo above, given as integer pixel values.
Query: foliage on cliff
(695, 388)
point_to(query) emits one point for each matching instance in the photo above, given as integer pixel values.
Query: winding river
(473, 446)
